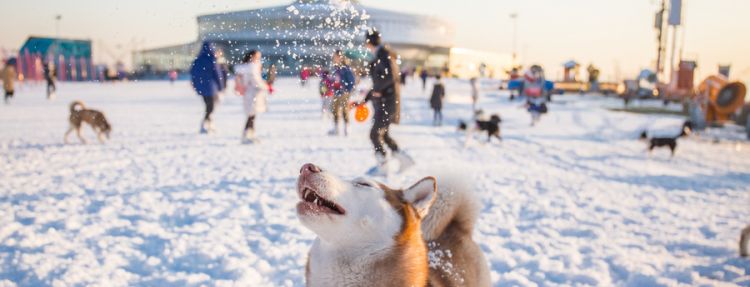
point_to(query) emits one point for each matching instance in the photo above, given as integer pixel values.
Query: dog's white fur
(455, 208)
(453, 200)
(374, 224)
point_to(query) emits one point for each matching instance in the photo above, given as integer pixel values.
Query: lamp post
(56, 46)
(659, 25)
(514, 18)
(58, 17)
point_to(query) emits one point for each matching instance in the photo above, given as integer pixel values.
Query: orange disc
(361, 113)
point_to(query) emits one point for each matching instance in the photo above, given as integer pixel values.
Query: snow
(572, 201)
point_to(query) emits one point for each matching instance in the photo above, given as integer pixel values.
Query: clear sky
(616, 35)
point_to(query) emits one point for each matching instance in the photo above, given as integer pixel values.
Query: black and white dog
(491, 127)
(670, 142)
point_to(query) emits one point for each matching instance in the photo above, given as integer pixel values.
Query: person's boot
(204, 127)
(211, 128)
(346, 130)
(248, 136)
(334, 131)
(381, 168)
(405, 161)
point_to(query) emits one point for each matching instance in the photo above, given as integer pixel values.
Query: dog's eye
(363, 184)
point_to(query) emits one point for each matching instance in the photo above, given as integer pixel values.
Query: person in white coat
(252, 88)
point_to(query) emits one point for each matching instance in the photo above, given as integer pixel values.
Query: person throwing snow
(386, 99)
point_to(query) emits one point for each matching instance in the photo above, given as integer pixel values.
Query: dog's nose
(309, 168)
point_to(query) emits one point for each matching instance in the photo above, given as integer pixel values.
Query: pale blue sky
(616, 35)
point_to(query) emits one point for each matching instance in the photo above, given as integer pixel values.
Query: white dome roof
(325, 21)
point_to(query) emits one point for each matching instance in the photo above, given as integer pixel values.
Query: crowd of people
(9, 75)
(337, 85)
(336, 89)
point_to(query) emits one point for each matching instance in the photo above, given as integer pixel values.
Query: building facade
(71, 58)
(306, 32)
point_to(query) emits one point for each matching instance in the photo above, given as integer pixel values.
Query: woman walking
(436, 101)
(206, 77)
(343, 84)
(252, 88)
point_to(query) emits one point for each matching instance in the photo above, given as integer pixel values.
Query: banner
(724, 70)
(675, 13)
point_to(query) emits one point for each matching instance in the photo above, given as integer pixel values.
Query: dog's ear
(421, 195)
(688, 125)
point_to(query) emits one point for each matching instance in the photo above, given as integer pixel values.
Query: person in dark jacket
(386, 99)
(423, 75)
(207, 79)
(49, 75)
(436, 101)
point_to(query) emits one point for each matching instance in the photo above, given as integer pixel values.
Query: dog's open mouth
(312, 201)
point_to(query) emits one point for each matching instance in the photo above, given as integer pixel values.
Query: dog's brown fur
(80, 114)
(409, 267)
(744, 238)
(445, 233)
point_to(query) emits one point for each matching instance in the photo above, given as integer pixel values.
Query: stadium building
(305, 33)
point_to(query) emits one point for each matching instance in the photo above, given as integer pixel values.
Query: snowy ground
(573, 201)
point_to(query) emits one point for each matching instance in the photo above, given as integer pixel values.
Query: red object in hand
(270, 89)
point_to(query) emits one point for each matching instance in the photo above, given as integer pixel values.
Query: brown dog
(80, 114)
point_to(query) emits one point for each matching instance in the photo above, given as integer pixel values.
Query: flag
(675, 13)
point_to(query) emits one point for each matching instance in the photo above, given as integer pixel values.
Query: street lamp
(514, 18)
(58, 17)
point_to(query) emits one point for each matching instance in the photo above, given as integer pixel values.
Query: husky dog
(80, 114)
(371, 235)
(670, 142)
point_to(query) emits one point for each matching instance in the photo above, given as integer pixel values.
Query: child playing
(326, 93)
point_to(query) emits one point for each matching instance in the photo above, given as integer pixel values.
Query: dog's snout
(309, 168)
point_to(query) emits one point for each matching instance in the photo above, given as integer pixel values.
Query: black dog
(670, 142)
(491, 127)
